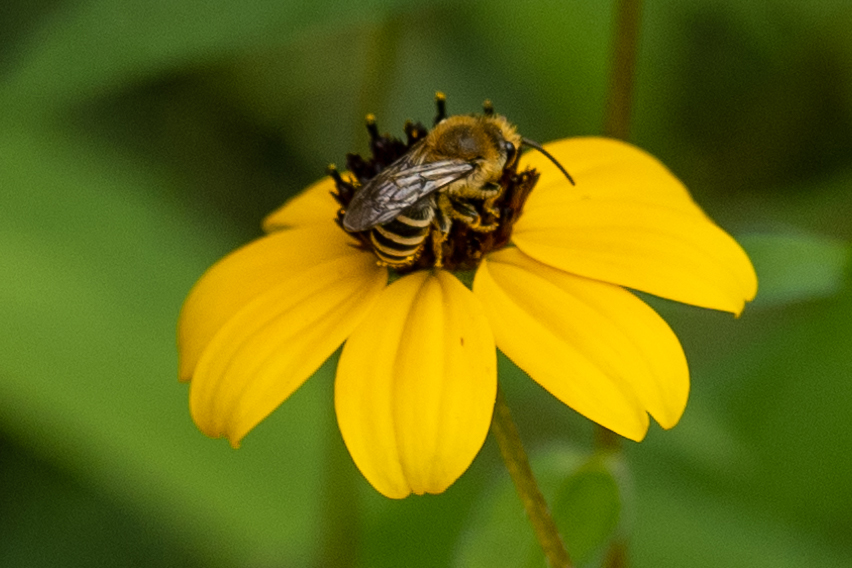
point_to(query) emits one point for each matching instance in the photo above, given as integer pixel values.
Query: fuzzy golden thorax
(475, 138)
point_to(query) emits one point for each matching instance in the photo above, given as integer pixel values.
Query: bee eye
(511, 153)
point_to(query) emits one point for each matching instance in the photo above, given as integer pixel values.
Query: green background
(141, 140)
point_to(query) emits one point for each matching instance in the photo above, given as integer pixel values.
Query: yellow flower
(417, 378)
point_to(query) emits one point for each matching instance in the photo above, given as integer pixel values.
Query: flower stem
(618, 104)
(606, 440)
(617, 125)
(340, 518)
(515, 458)
(617, 121)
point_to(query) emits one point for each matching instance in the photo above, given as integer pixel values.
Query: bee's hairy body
(441, 179)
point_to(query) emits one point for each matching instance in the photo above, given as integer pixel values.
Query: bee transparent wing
(399, 186)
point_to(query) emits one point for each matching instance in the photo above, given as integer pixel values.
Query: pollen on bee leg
(465, 212)
(488, 207)
(438, 239)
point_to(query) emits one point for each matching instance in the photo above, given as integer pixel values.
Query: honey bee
(453, 174)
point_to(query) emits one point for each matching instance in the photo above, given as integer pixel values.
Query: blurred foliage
(140, 141)
(585, 493)
(797, 267)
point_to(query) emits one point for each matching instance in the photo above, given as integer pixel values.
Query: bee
(451, 175)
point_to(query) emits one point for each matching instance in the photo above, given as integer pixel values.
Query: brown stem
(617, 125)
(618, 104)
(617, 122)
(515, 458)
(606, 439)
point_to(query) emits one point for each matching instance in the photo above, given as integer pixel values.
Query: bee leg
(441, 225)
(489, 193)
(493, 192)
(464, 212)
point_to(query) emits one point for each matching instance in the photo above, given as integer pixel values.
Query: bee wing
(399, 186)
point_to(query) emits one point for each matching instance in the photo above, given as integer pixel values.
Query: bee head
(505, 137)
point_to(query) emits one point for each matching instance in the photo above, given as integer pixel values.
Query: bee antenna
(537, 146)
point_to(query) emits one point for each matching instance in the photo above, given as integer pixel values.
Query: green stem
(618, 104)
(515, 458)
(339, 514)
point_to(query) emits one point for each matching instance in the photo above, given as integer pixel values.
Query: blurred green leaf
(586, 509)
(88, 47)
(498, 533)
(690, 526)
(792, 407)
(766, 480)
(585, 496)
(796, 267)
(704, 441)
(50, 518)
(96, 263)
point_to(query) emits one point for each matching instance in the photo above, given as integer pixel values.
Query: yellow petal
(314, 206)
(663, 251)
(605, 169)
(594, 346)
(416, 385)
(280, 338)
(246, 273)
(631, 222)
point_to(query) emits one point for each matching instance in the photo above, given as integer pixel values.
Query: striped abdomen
(398, 243)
